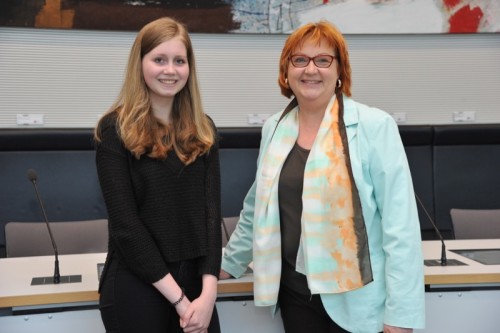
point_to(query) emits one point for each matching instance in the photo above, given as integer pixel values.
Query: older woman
(330, 222)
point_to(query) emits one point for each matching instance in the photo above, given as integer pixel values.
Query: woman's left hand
(198, 315)
(394, 329)
(223, 275)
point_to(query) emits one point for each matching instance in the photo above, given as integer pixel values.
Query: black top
(290, 188)
(159, 211)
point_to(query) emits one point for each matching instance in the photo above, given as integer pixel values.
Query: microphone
(56, 279)
(443, 261)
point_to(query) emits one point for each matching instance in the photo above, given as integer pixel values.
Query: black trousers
(304, 313)
(128, 305)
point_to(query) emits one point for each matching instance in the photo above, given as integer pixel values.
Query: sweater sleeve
(212, 262)
(128, 235)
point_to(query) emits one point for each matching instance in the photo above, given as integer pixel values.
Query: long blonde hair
(191, 133)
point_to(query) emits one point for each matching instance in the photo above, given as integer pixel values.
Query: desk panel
(82, 321)
(462, 311)
(234, 316)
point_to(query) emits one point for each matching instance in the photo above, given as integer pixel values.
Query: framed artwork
(259, 16)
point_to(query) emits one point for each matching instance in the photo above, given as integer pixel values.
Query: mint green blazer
(396, 296)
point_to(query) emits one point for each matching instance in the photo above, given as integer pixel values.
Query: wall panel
(73, 76)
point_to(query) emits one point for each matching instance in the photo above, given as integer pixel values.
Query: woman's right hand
(182, 307)
(223, 275)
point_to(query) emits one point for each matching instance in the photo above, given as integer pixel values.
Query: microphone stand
(57, 276)
(444, 261)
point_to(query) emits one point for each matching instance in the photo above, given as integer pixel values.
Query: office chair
(26, 239)
(475, 223)
(228, 226)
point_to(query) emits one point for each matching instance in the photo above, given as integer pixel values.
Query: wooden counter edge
(223, 288)
(45, 299)
(462, 278)
(93, 296)
(235, 288)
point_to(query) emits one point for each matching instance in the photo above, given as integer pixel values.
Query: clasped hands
(195, 316)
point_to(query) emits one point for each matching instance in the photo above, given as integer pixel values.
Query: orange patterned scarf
(333, 251)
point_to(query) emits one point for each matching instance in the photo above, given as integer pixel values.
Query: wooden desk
(16, 275)
(459, 298)
(46, 308)
(471, 273)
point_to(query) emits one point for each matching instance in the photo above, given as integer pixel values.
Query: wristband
(180, 298)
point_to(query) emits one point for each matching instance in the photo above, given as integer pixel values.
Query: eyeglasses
(321, 60)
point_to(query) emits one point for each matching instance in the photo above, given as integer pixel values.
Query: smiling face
(166, 70)
(312, 85)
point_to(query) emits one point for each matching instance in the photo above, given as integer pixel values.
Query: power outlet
(399, 117)
(257, 118)
(29, 119)
(464, 116)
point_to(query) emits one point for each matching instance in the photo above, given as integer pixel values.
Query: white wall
(72, 76)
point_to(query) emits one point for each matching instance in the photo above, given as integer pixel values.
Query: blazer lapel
(351, 118)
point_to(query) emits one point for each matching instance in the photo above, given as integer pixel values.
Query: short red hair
(321, 32)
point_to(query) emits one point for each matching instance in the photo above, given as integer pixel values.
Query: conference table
(459, 298)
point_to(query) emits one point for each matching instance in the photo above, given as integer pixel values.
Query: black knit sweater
(159, 211)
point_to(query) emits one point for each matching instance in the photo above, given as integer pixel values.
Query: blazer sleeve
(238, 253)
(401, 240)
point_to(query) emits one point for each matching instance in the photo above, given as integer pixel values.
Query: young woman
(158, 165)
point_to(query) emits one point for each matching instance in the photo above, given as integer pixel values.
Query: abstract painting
(260, 16)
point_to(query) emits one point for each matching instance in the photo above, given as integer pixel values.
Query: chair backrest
(228, 226)
(25, 239)
(475, 223)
